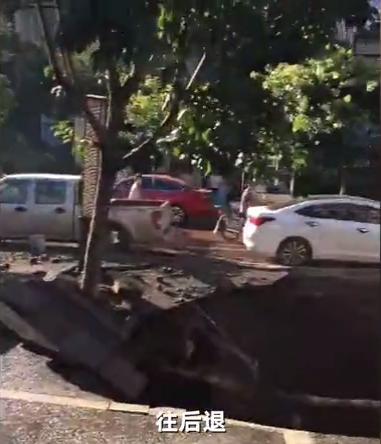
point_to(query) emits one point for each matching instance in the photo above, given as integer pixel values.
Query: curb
(289, 436)
(64, 401)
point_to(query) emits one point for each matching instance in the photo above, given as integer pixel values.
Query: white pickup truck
(49, 205)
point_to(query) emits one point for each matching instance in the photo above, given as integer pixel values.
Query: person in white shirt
(247, 200)
(136, 191)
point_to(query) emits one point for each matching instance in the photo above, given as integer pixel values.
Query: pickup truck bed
(142, 220)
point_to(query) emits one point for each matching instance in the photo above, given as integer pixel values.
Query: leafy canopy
(226, 113)
(321, 97)
(145, 109)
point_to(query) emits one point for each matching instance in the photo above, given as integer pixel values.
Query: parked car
(49, 204)
(341, 228)
(186, 202)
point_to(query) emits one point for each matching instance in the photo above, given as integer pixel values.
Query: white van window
(50, 192)
(14, 192)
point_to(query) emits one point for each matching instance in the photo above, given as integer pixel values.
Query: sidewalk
(48, 423)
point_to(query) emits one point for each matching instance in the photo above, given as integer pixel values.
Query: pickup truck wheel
(179, 217)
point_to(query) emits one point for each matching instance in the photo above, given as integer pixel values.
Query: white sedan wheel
(294, 252)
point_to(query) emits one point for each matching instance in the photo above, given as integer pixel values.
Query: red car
(187, 203)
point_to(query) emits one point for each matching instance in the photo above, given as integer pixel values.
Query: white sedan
(341, 228)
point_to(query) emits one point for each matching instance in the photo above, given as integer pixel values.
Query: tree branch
(131, 84)
(63, 78)
(178, 95)
(59, 74)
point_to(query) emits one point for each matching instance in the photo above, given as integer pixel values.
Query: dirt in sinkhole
(320, 338)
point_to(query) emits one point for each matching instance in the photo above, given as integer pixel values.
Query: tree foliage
(145, 109)
(310, 102)
(239, 36)
(227, 117)
(150, 37)
(23, 63)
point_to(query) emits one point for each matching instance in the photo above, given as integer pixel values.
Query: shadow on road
(7, 340)
(85, 380)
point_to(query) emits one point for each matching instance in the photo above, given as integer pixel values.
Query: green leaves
(206, 135)
(314, 100)
(291, 95)
(371, 85)
(145, 109)
(64, 131)
(301, 124)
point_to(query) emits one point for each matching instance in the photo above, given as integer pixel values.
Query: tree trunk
(343, 180)
(84, 224)
(98, 234)
(292, 182)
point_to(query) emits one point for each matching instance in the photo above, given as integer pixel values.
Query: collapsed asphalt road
(300, 353)
(238, 344)
(24, 422)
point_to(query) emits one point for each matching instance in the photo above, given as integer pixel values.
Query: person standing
(136, 191)
(247, 200)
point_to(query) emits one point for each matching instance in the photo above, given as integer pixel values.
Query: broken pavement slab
(85, 332)
(104, 359)
(10, 319)
(69, 329)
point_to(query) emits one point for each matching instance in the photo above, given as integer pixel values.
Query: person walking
(136, 191)
(222, 199)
